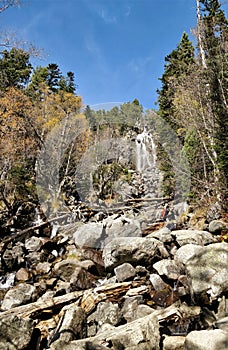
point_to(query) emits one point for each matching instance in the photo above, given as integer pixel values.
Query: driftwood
(87, 299)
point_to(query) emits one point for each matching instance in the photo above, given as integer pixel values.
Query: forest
(192, 101)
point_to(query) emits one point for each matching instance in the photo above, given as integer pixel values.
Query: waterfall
(145, 150)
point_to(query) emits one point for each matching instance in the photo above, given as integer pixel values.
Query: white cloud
(107, 18)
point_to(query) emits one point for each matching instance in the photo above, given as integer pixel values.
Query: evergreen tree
(178, 63)
(214, 31)
(15, 68)
(67, 83)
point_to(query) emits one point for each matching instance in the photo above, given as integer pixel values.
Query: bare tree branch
(5, 4)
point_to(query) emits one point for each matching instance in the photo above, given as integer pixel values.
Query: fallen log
(87, 299)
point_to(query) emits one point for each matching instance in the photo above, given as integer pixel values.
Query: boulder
(168, 268)
(15, 332)
(90, 235)
(193, 236)
(207, 270)
(173, 342)
(141, 334)
(216, 226)
(133, 250)
(21, 294)
(124, 272)
(157, 282)
(72, 325)
(184, 253)
(214, 339)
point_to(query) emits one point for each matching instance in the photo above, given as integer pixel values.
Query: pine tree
(214, 34)
(178, 63)
(15, 68)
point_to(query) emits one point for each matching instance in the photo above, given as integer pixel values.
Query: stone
(193, 236)
(168, 268)
(214, 339)
(107, 312)
(184, 253)
(157, 282)
(143, 310)
(121, 227)
(19, 295)
(141, 334)
(33, 244)
(216, 226)
(72, 325)
(214, 212)
(124, 272)
(135, 251)
(207, 270)
(164, 235)
(173, 343)
(22, 274)
(73, 271)
(43, 267)
(15, 332)
(130, 307)
(90, 235)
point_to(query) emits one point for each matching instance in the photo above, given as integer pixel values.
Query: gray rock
(143, 310)
(193, 236)
(72, 325)
(207, 270)
(130, 307)
(108, 312)
(124, 272)
(122, 227)
(133, 250)
(90, 235)
(214, 339)
(157, 282)
(168, 268)
(75, 272)
(216, 226)
(21, 294)
(164, 235)
(214, 212)
(141, 334)
(15, 333)
(33, 244)
(173, 343)
(184, 253)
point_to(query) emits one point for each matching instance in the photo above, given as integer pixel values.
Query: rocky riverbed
(117, 283)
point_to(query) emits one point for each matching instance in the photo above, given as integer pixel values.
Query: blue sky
(116, 48)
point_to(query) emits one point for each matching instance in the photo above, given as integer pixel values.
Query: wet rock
(15, 333)
(168, 268)
(173, 343)
(193, 236)
(184, 253)
(135, 251)
(207, 270)
(124, 272)
(21, 294)
(214, 339)
(216, 226)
